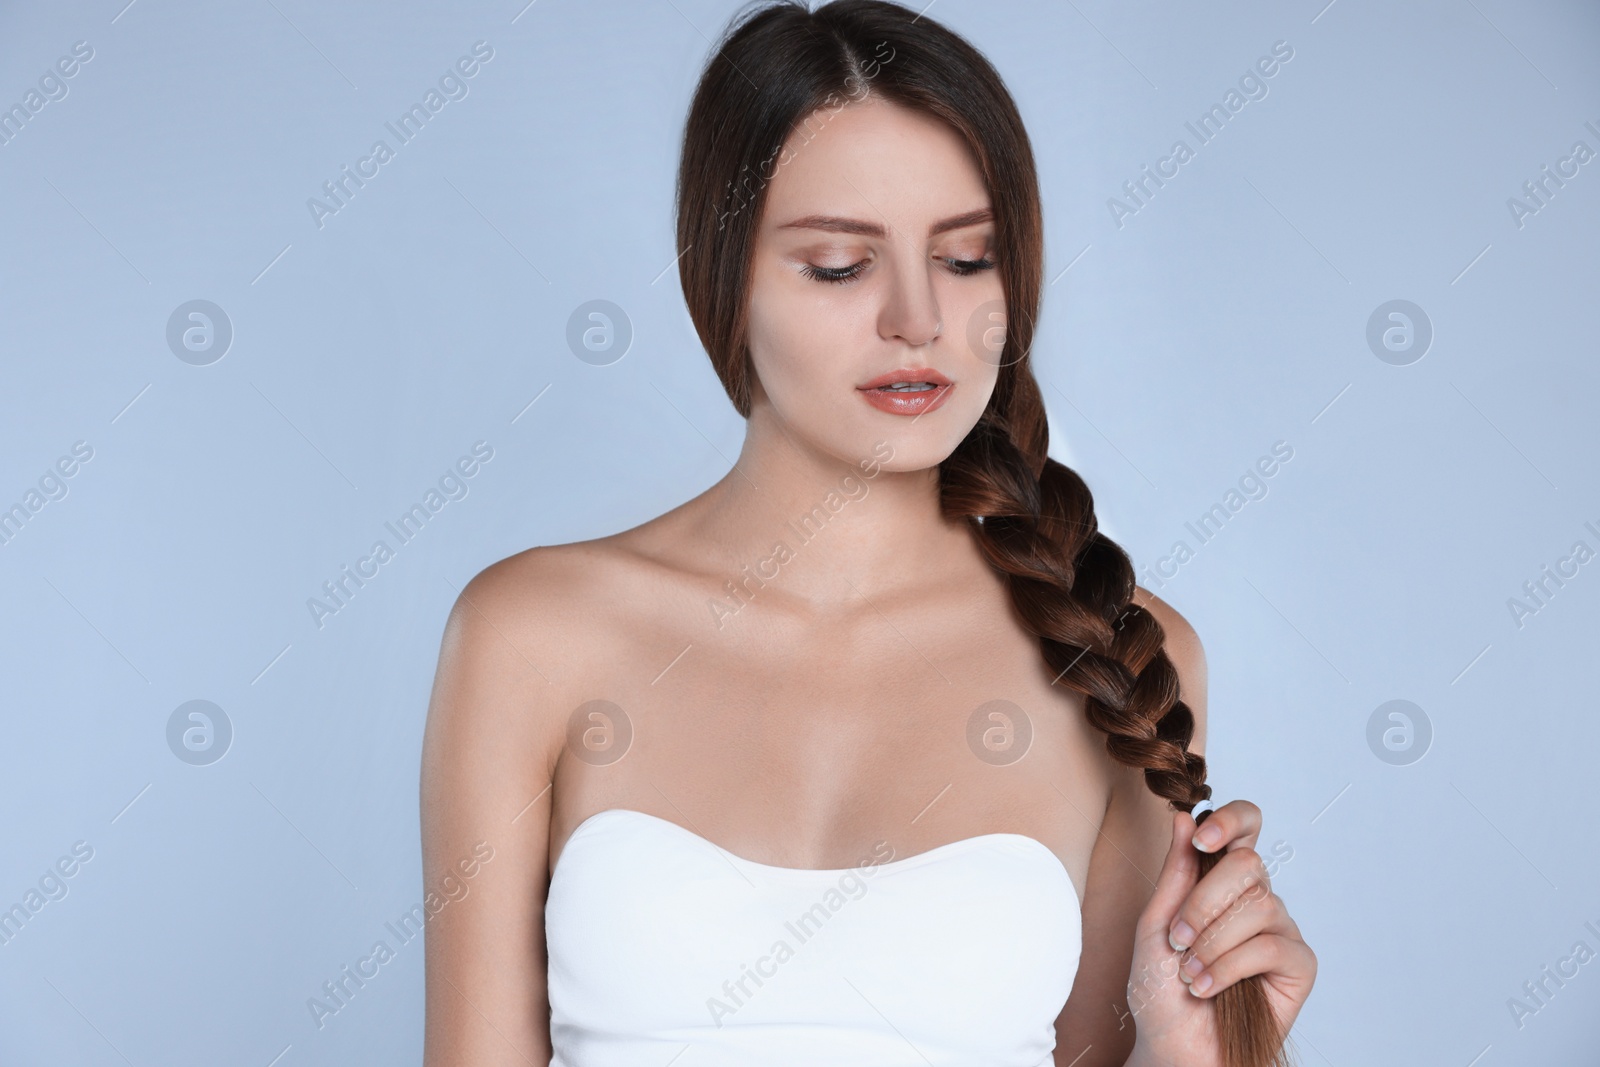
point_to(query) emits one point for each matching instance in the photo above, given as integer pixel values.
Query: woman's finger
(1237, 824)
(1238, 878)
(1288, 962)
(1265, 914)
(1177, 878)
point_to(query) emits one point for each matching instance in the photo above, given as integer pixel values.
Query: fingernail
(1200, 984)
(1208, 838)
(1181, 937)
(1193, 967)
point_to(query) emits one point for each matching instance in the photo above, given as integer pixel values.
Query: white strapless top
(667, 951)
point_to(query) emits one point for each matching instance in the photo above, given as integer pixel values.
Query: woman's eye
(833, 274)
(970, 266)
(841, 275)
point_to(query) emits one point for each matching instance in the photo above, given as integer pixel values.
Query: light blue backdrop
(1440, 860)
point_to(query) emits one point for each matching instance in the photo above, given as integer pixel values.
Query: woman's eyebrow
(866, 228)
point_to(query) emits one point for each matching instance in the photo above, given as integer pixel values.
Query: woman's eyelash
(841, 275)
(971, 266)
(838, 275)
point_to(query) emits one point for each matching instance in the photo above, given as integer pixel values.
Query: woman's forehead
(871, 161)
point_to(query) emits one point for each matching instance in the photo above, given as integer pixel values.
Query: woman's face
(875, 254)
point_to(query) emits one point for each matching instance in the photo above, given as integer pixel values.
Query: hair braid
(1073, 587)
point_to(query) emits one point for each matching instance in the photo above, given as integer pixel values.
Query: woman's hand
(1194, 940)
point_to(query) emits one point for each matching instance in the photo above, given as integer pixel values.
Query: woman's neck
(852, 528)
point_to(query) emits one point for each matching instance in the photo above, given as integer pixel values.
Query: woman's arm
(1097, 1026)
(492, 737)
(1199, 935)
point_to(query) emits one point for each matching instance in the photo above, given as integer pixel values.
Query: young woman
(872, 753)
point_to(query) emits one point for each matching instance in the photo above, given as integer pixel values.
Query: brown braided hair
(1033, 518)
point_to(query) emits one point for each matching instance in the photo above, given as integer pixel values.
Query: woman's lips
(908, 401)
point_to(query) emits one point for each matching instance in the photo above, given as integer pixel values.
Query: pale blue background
(368, 355)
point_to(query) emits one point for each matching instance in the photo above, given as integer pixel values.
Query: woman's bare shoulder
(527, 640)
(1182, 646)
(553, 603)
(1183, 643)
(1188, 657)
